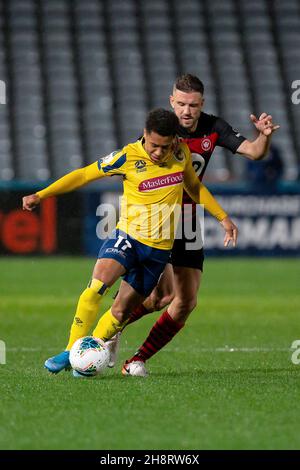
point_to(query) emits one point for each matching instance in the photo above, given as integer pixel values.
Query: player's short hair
(162, 121)
(189, 83)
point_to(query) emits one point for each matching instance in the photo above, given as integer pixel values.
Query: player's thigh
(186, 282)
(126, 301)
(108, 270)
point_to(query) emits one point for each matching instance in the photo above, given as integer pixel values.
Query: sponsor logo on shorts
(161, 181)
(115, 251)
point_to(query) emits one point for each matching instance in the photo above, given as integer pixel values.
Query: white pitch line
(245, 349)
(171, 350)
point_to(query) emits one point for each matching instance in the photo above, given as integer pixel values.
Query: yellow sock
(87, 310)
(108, 326)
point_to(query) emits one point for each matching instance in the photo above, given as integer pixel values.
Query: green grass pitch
(225, 382)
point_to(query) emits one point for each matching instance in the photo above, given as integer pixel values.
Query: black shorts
(180, 256)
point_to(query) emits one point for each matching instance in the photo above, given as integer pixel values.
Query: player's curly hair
(189, 83)
(162, 121)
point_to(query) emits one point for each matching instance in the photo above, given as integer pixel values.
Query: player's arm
(258, 148)
(201, 195)
(232, 140)
(70, 182)
(115, 163)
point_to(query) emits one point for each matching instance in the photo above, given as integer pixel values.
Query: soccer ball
(89, 356)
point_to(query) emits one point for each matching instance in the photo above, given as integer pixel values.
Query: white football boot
(135, 368)
(113, 347)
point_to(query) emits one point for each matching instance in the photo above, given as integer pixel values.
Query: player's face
(187, 107)
(157, 146)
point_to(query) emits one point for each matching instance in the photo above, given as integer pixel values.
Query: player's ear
(172, 101)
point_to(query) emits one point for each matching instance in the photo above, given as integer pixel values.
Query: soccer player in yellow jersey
(138, 249)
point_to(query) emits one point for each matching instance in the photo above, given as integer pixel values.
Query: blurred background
(78, 76)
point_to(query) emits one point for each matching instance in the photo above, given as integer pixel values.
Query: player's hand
(231, 230)
(30, 202)
(264, 124)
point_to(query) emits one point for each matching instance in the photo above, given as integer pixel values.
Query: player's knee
(119, 314)
(156, 301)
(105, 274)
(152, 301)
(107, 278)
(164, 301)
(186, 305)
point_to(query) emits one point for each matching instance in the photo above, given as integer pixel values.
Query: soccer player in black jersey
(179, 286)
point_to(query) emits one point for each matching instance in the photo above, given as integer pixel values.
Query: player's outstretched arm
(201, 195)
(258, 148)
(74, 180)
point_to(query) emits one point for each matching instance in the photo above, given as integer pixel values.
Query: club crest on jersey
(206, 145)
(140, 166)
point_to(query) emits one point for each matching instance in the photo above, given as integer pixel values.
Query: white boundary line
(171, 350)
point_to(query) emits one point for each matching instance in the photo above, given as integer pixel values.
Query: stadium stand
(80, 76)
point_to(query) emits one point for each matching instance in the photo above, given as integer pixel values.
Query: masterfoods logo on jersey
(161, 181)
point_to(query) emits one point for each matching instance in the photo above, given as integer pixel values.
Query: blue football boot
(59, 362)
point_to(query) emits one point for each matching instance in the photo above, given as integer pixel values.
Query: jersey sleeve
(113, 164)
(229, 138)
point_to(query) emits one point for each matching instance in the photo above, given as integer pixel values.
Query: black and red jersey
(210, 132)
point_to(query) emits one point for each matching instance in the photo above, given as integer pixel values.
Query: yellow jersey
(152, 196)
